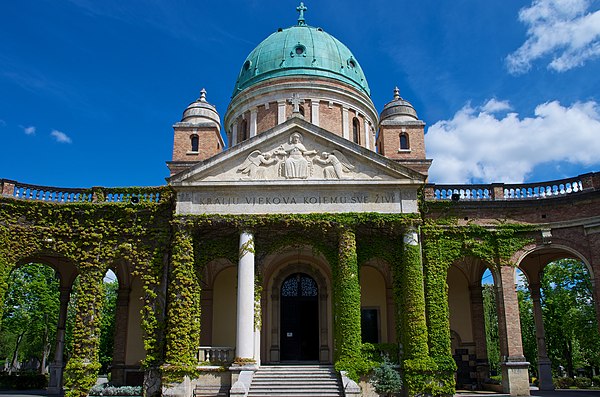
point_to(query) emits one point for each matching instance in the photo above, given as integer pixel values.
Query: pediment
(296, 152)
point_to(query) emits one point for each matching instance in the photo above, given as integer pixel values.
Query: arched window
(355, 130)
(243, 130)
(301, 110)
(194, 140)
(404, 145)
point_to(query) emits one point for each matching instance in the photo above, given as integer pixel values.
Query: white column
(280, 112)
(245, 298)
(367, 135)
(314, 113)
(345, 126)
(234, 134)
(253, 114)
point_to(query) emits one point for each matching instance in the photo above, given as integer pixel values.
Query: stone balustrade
(523, 191)
(215, 355)
(52, 194)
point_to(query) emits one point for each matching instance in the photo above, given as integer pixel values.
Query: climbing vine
(90, 237)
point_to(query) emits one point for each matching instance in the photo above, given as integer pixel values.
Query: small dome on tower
(398, 109)
(200, 111)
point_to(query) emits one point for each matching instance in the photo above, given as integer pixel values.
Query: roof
(301, 50)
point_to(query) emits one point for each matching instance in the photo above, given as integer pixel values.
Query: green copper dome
(301, 50)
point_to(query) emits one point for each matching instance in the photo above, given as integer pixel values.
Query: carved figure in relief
(296, 164)
(256, 164)
(335, 164)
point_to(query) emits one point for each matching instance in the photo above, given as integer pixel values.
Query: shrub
(596, 381)
(583, 382)
(24, 381)
(108, 390)
(386, 379)
(563, 382)
(354, 366)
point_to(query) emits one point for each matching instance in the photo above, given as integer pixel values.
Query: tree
(491, 327)
(528, 335)
(107, 326)
(570, 323)
(30, 315)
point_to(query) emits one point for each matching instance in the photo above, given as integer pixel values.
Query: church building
(311, 231)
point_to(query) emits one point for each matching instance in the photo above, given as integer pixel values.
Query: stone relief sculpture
(256, 165)
(296, 164)
(292, 160)
(335, 164)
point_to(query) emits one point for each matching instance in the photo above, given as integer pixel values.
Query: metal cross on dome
(301, 8)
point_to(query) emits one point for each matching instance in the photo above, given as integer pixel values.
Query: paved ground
(556, 393)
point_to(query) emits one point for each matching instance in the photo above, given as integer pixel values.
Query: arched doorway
(299, 318)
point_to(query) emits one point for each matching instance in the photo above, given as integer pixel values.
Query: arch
(375, 301)
(194, 143)
(404, 141)
(243, 131)
(280, 268)
(355, 130)
(214, 285)
(533, 259)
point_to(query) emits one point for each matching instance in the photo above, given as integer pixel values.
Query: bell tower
(197, 136)
(402, 135)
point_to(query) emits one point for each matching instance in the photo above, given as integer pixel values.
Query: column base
(483, 372)
(55, 383)
(515, 377)
(545, 375)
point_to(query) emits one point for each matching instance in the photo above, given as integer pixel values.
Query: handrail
(512, 191)
(134, 195)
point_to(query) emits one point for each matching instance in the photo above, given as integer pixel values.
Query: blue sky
(89, 89)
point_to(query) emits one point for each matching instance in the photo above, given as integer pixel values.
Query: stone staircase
(296, 381)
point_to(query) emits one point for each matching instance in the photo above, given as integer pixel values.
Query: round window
(247, 65)
(300, 50)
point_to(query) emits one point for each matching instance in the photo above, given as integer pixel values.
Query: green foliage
(563, 382)
(355, 367)
(570, 325)
(80, 376)
(183, 312)
(380, 352)
(386, 379)
(528, 332)
(346, 298)
(30, 314)
(23, 381)
(490, 314)
(581, 382)
(92, 236)
(107, 325)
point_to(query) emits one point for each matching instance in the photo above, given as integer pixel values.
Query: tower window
(195, 141)
(404, 145)
(301, 110)
(243, 130)
(355, 130)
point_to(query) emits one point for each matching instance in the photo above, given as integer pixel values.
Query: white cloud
(478, 146)
(60, 137)
(28, 130)
(495, 106)
(562, 29)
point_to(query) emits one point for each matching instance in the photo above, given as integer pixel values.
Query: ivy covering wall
(169, 254)
(91, 237)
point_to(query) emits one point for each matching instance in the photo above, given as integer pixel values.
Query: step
(295, 381)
